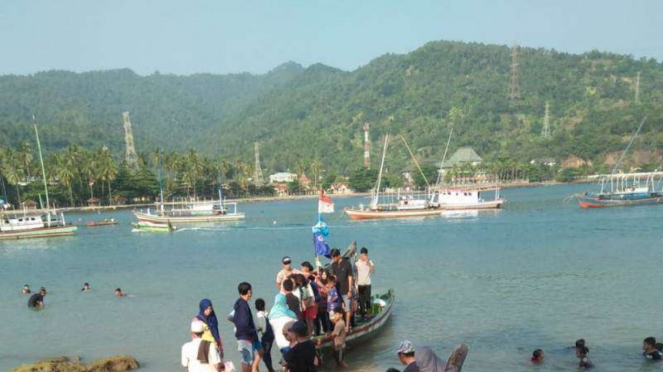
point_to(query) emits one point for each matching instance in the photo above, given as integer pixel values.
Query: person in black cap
(286, 272)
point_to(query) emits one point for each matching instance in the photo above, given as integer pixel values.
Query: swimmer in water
(26, 289)
(42, 290)
(537, 356)
(119, 294)
(36, 301)
(86, 287)
(649, 348)
(581, 353)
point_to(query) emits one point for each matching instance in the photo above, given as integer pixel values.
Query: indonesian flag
(325, 204)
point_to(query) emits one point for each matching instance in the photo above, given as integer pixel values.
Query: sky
(218, 36)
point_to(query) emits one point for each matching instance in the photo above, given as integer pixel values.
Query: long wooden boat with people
(380, 313)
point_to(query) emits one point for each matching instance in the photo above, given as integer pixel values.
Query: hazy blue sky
(189, 36)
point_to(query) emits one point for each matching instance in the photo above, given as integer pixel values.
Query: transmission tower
(130, 152)
(367, 147)
(637, 88)
(257, 172)
(545, 131)
(514, 94)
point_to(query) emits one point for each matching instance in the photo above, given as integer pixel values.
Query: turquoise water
(538, 274)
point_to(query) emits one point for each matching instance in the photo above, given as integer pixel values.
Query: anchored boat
(153, 227)
(625, 189)
(103, 222)
(34, 224)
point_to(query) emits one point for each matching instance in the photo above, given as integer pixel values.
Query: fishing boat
(625, 189)
(190, 212)
(380, 313)
(103, 222)
(152, 227)
(431, 202)
(34, 223)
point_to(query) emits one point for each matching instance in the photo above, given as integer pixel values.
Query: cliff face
(119, 363)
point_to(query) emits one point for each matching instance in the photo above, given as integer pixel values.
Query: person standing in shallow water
(211, 330)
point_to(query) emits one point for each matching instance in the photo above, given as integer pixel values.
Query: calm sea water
(538, 274)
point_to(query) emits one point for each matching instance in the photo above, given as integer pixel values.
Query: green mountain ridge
(316, 113)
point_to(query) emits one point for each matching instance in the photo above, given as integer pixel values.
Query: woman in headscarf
(279, 316)
(208, 317)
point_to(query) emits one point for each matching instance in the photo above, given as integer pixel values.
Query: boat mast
(160, 184)
(374, 203)
(629, 146)
(43, 173)
(444, 157)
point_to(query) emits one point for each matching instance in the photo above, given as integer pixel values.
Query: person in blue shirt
(245, 330)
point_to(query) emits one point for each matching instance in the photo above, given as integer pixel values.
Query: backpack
(268, 334)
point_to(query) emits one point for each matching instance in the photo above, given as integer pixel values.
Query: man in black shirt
(36, 301)
(342, 270)
(301, 358)
(650, 351)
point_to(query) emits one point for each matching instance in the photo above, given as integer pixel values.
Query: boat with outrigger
(144, 226)
(190, 212)
(27, 224)
(625, 189)
(432, 201)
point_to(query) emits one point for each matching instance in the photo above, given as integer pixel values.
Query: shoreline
(510, 185)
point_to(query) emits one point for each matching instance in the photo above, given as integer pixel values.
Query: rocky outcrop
(118, 363)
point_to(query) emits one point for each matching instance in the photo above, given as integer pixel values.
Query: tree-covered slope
(317, 113)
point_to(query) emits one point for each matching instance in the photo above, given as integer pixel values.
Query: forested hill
(168, 111)
(317, 113)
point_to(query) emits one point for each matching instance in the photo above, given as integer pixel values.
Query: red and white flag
(325, 204)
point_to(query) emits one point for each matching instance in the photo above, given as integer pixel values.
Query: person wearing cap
(286, 272)
(199, 355)
(406, 356)
(365, 270)
(342, 270)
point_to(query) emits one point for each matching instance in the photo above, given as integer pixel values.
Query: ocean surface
(540, 273)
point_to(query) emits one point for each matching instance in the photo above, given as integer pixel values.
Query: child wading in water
(581, 353)
(339, 336)
(537, 356)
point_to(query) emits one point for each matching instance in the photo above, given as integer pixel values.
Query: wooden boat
(153, 227)
(44, 231)
(104, 222)
(35, 223)
(381, 311)
(187, 217)
(625, 189)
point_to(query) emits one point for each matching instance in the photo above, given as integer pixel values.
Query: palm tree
(107, 169)
(24, 154)
(316, 167)
(10, 169)
(89, 169)
(64, 171)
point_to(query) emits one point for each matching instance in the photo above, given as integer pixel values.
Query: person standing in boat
(365, 270)
(285, 272)
(342, 270)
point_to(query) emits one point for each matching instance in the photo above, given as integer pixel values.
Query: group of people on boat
(313, 305)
